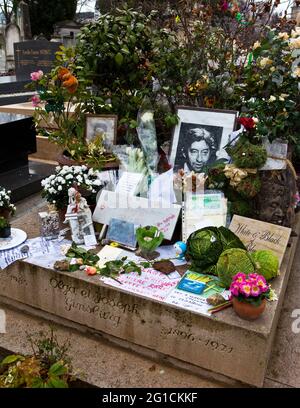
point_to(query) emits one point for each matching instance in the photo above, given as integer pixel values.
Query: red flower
(248, 123)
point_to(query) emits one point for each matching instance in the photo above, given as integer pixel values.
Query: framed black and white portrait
(101, 125)
(200, 137)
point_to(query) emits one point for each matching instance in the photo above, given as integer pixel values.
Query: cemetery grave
(170, 176)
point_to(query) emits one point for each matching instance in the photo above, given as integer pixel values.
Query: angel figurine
(79, 217)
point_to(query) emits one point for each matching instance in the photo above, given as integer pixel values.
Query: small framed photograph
(199, 138)
(101, 125)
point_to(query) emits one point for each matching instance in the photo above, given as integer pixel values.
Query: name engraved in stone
(85, 308)
(93, 301)
(194, 338)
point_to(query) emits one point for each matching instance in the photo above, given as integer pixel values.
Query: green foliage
(270, 88)
(111, 268)
(266, 263)
(114, 52)
(45, 13)
(249, 187)
(48, 367)
(114, 268)
(88, 257)
(247, 155)
(241, 207)
(232, 261)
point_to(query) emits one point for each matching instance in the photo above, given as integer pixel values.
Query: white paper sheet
(161, 188)
(150, 283)
(199, 213)
(138, 210)
(129, 183)
(38, 248)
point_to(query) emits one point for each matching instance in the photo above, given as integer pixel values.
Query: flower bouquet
(56, 186)
(6, 207)
(61, 103)
(249, 294)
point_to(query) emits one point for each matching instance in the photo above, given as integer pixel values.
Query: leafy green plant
(88, 257)
(110, 268)
(269, 85)
(48, 367)
(114, 268)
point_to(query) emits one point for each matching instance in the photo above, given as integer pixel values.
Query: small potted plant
(6, 207)
(249, 294)
(5, 230)
(148, 238)
(56, 186)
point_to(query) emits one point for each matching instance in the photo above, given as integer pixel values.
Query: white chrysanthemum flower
(97, 182)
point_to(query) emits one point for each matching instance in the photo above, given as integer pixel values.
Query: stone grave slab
(34, 55)
(222, 343)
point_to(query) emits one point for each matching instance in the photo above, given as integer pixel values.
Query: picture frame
(199, 138)
(105, 123)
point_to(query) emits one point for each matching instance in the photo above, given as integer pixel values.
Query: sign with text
(34, 55)
(261, 235)
(137, 210)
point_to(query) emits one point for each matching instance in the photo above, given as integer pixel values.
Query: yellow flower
(256, 45)
(272, 69)
(264, 62)
(284, 36)
(272, 98)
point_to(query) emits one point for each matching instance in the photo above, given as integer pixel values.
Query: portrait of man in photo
(197, 147)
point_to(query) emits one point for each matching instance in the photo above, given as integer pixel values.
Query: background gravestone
(32, 56)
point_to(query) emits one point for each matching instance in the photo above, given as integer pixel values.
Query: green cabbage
(266, 263)
(231, 262)
(204, 247)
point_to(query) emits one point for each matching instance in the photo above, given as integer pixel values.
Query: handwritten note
(261, 235)
(129, 183)
(150, 283)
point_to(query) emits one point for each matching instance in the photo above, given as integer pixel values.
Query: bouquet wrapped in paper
(147, 135)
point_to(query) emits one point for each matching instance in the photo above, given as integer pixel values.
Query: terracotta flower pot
(246, 310)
